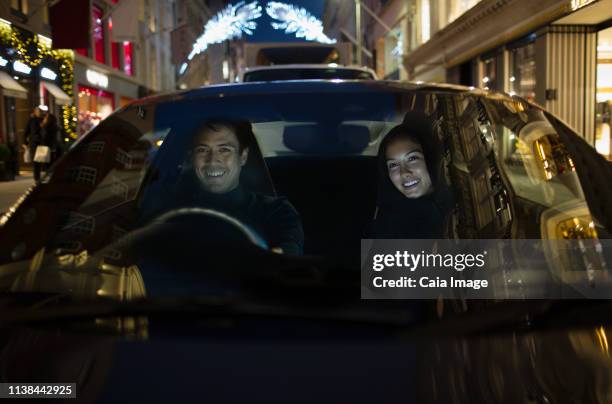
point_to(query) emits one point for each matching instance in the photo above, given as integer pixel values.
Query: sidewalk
(10, 191)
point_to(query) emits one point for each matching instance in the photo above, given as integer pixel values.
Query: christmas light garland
(235, 20)
(32, 52)
(298, 21)
(229, 23)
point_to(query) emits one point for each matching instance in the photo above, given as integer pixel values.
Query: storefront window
(123, 101)
(425, 21)
(489, 74)
(115, 55)
(20, 6)
(114, 47)
(393, 54)
(94, 105)
(127, 58)
(522, 78)
(98, 34)
(603, 120)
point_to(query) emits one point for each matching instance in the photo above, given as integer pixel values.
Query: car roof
(308, 86)
(306, 66)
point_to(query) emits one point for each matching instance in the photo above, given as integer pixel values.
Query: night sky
(265, 32)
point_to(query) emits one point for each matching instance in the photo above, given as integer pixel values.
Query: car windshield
(141, 199)
(307, 74)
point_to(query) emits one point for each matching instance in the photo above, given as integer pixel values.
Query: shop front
(17, 111)
(50, 92)
(94, 105)
(555, 53)
(14, 109)
(603, 119)
(562, 67)
(31, 74)
(99, 92)
(522, 68)
(13, 99)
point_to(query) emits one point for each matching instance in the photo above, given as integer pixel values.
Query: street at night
(344, 201)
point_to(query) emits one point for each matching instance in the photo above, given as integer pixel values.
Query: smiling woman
(409, 204)
(406, 164)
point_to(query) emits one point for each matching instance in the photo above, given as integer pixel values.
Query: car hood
(306, 362)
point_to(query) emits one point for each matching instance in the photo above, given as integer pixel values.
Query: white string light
(297, 20)
(235, 20)
(229, 23)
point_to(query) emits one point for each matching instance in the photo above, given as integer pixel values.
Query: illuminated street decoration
(31, 50)
(297, 20)
(234, 20)
(45, 41)
(48, 74)
(97, 78)
(21, 67)
(229, 23)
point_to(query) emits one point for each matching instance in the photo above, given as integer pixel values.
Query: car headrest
(321, 138)
(255, 175)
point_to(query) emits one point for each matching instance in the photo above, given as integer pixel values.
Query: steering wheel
(218, 224)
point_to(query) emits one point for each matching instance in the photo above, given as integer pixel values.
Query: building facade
(31, 74)
(376, 28)
(109, 74)
(190, 17)
(79, 86)
(557, 53)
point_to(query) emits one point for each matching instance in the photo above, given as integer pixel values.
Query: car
(305, 72)
(111, 282)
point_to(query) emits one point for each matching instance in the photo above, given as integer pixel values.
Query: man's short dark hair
(242, 129)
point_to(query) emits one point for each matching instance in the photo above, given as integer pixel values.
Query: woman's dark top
(420, 218)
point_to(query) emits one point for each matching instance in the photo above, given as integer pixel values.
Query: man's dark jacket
(272, 217)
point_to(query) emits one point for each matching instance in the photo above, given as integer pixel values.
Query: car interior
(330, 183)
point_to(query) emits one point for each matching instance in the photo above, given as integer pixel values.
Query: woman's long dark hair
(419, 128)
(425, 217)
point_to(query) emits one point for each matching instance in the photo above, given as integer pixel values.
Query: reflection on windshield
(541, 170)
(224, 171)
(138, 169)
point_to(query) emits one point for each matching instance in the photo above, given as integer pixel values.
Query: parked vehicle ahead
(306, 72)
(124, 263)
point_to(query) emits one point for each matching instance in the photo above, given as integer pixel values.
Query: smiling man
(218, 157)
(219, 154)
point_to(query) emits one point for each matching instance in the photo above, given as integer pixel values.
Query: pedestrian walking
(33, 138)
(50, 135)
